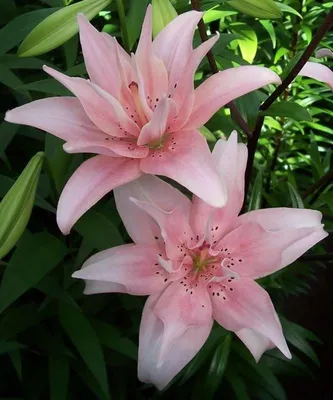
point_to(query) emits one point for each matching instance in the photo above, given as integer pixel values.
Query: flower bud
(163, 13)
(16, 206)
(264, 9)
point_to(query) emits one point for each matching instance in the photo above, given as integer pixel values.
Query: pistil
(133, 87)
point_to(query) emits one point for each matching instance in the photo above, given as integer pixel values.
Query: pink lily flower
(139, 113)
(198, 264)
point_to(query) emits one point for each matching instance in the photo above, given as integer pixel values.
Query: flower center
(202, 260)
(158, 143)
(133, 87)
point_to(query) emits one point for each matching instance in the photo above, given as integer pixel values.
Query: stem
(236, 115)
(122, 18)
(323, 182)
(253, 139)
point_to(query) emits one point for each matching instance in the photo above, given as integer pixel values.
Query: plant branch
(236, 115)
(253, 139)
(322, 182)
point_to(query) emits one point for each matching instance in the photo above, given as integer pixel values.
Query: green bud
(16, 206)
(264, 9)
(163, 13)
(57, 28)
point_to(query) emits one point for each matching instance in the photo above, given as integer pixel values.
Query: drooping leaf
(288, 109)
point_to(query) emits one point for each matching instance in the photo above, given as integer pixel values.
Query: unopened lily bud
(163, 13)
(324, 53)
(16, 206)
(264, 9)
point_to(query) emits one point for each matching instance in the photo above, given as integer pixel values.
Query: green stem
(122, 18)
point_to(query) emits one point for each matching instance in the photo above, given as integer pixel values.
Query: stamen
(133, 87)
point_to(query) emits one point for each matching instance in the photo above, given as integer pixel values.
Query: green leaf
(18, 28)
(49, 86)
(7, 347)
(248, 44)
(35, 256)
(288, 109)
(134, 20)
(16, 206)
(266, 9)
(285, 8)
(270, 30)
(107, 235)
(7, 133)
(58, 27)
(84, 338)
(207, 134)
(296, 199)
(59, 377)
(256, 193)
(237, 384)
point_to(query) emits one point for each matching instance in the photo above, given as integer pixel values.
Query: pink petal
(280, 219)
(101, 108)
(255, 342)
(254, 252)
(141, 227)
(100, 57)
(155, 129)
(183, 94)
(89, 183)
(154, 74)
(89, 146)
(230, 158)
(244, 304)
(97, 287)
(227, 85)
(186, 159)
(164, 349)
(319, 72)
(133, 268)
(63, 117)
(173, 45)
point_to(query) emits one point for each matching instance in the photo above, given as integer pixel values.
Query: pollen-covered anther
(134, 88)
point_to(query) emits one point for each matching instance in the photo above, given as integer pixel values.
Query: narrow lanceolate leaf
(256, 194)
(266, 9)
(58, 27)
(16, 206)
(35, 256)
(207, 134)
(288, 109)
(84, 338)
(163, 13)
(296, 199)
(59, 377)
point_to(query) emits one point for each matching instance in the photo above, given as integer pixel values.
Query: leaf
(271, 31)
(285, 8)
(49, 86)
(237, 384)
(18, 28)
(58, 27)
(59, 377)
(266, 9)
(256, 193)
(207, 134)
(13, 62)
(98, 231)
(296, 199)
(134, 19)
(288, 109)
(84, 338)
(16, 359)
(35, 256)
(7, 347)
(249, 43)
(7, 133)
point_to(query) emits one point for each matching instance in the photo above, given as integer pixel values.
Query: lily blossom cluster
(139, 113)
(198, 263)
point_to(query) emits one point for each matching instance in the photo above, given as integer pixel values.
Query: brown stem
(322, 182)
(253, 139)
(236, 115)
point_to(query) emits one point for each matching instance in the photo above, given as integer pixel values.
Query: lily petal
(63, 117)
(99, 57)
(255, 252)
(225, 86)
(89, 183)
(133, 268)
(244, 304)
(230, 157)
(319, 72)
(141, 227)
(255, 342)
(101, 107)
(279, 219)
(186, 159)
(164, 350)
(173, 45)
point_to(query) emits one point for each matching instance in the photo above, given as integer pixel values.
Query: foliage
(55, 342)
